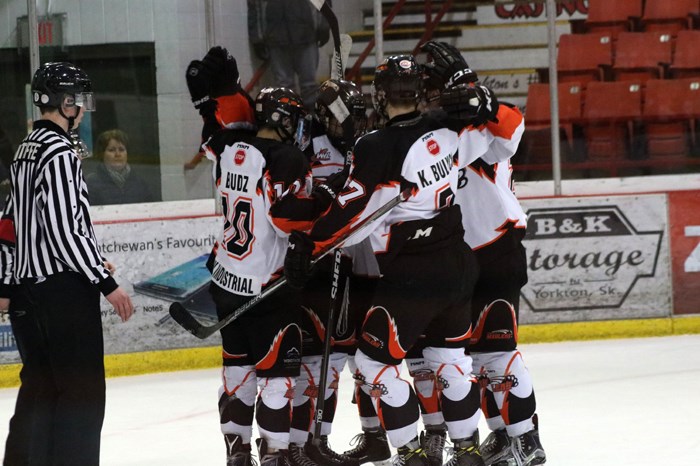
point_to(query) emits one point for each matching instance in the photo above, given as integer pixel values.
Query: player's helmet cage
(341, 110)
(399, 80)
(60, 83)
(282, 109)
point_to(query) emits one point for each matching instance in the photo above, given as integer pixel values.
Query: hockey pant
(306, 396)
(508, 398)
(395, 401)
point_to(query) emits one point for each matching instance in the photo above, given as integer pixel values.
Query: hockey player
(263, 180)
(339, 119)
(494, 224)
(215, 88)
(427, 271)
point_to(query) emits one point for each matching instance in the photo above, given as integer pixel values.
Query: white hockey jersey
(489, 206)
(255, 178)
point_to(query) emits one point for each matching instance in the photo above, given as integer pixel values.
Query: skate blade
(382, 462)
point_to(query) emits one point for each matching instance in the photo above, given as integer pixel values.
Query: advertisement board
(684, 220)
(157, 263)
(596, 258)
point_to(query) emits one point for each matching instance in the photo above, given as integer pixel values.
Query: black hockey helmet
(282, 109)
(399, 80)
(57, 83)
(340, 108)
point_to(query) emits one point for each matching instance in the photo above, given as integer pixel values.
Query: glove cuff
(198, 102)
(463, 76)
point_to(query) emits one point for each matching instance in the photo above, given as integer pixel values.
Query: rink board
(591, 259)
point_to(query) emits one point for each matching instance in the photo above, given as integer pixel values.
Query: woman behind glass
(114, 181)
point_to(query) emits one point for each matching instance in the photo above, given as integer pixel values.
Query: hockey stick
(342, 43)
(187, 321)
(330, 324)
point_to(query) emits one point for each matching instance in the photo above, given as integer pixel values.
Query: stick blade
(187, 321)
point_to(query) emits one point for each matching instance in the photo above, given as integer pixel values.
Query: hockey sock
(237, 400)
(394, 400)
(459, 390)
(426, 389)
(511, 386)
(274, 410)
(368, 416)
(335, 368)
(305, 395)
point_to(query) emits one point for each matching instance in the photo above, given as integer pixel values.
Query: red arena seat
(642, 56)
(612, 16)
(583, 57)
(609, 112)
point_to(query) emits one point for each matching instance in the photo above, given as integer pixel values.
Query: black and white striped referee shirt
(45, 227)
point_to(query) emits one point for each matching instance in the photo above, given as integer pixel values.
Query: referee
(51, 276)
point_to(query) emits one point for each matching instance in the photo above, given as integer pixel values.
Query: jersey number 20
(238, 235)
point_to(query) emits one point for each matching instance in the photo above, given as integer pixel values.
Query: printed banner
(684, 218)
(596, 258)
(157, 262)
(519, 12)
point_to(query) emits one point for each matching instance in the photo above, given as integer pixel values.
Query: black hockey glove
(199, 84)
(447, 67)
(223, 69)
(475, 105)
(297, 262)
(326, 192)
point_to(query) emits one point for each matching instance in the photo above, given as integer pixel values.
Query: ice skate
(298, 457)
(526, 450)
(496, 448)
(272, 457)
(372, 447)
(411, 454)
(433, 442)
(237, 453)
(466, 452)
(322, 453)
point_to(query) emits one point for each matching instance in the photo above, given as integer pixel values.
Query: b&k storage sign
(596, 258)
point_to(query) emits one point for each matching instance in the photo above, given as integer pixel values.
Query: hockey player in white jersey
(263, 180)
(494, 224)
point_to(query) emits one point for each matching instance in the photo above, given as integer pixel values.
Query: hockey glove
(447, 67)
(326, 192)
(223, 69)
(475, 105)
(199, 84)
(297, 262)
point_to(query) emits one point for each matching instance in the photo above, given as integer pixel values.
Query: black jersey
(411, 151)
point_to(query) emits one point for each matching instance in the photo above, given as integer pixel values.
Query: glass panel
(137, 52)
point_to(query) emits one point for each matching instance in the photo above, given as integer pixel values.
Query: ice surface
(610, 403)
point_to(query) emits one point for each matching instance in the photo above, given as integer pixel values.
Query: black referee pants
(61, 401)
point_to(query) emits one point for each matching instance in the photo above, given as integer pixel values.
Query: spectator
(289, 34)
(113, 181)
